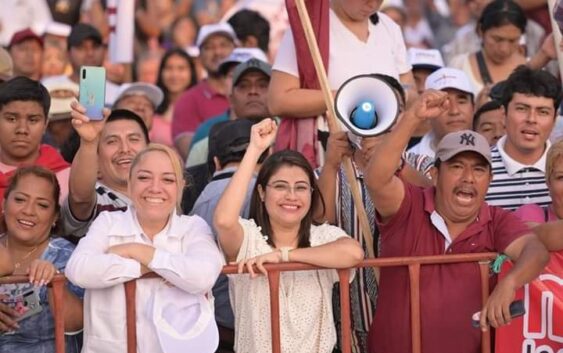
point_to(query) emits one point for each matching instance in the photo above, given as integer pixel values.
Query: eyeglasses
(301, 189)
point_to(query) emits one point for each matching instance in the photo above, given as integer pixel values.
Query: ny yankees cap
(462, 141)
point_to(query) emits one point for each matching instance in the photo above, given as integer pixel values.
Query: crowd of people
(215, 149)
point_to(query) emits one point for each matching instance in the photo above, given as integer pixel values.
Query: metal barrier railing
(413, 263)
(58, 284)
(274, 270)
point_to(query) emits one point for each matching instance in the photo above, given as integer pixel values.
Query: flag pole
(333, 124)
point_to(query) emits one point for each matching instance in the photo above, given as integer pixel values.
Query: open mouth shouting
(465, 196)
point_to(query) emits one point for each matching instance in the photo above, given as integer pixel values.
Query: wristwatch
(285, 253)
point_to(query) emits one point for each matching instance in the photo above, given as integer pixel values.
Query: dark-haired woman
(281, 229)
(175, 75)
(500, 28)
(26, 309)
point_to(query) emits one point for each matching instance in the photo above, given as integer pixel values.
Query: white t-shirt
(384, 52)
(306, 318)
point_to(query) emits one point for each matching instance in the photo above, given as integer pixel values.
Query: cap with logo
(23, 35)
(222, 28)
(153, 93)
(82, 32)
(251, 65)
(463, 141)
(429, 59)
(448, 77)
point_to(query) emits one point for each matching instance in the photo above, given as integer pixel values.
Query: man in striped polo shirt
(530, 99)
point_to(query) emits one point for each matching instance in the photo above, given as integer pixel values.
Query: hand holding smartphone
(516, 309)
(93, 91)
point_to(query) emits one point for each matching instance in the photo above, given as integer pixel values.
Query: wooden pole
(556, 36)
(333, 124)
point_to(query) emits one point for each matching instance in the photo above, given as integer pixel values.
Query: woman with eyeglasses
(281, 229)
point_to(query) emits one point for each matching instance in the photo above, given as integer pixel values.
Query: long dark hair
(258, 210)
(161, 109)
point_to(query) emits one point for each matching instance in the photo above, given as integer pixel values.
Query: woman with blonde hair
(173, 312)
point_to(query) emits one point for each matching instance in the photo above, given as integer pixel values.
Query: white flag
(122, 29)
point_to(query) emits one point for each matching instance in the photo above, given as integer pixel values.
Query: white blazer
(186, 257)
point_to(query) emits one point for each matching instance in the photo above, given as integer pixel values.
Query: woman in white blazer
(174, 312)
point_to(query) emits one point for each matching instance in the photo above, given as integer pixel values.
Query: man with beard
(208, 97)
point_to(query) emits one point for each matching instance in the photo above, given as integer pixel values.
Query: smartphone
(516, 309)
(92, 91)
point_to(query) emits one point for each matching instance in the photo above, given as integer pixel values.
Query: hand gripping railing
(58, 283)
(274, 270)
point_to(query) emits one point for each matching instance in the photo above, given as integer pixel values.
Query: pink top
(161, 131)
(196, 105)
(535, 213)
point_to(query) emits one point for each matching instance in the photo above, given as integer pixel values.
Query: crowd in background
(215, 148)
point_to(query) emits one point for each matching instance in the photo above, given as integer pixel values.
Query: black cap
(229, 137)
(81, 32)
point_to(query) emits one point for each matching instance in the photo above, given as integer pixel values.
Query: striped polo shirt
(515, 184)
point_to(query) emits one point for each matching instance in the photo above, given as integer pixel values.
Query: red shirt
(196, 105)
(449, 294)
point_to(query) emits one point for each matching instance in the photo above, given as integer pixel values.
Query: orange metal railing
(413, 263)
(58, 284)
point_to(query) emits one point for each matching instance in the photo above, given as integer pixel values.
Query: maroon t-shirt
(449, 294)
(195, 106)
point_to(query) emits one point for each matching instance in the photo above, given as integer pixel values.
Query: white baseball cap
(448, 77)
(184, 322)
(216, 28)
(430, 59)
(240, 55)
(62, 91)
(152, 92)
(58, 29)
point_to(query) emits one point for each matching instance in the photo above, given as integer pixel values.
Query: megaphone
(367, 105)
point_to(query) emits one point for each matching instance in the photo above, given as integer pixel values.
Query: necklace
(17, 265)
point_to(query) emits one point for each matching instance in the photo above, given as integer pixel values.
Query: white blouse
(306, 318)
(186, 257)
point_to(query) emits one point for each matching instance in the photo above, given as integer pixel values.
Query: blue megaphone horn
(367, 105)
